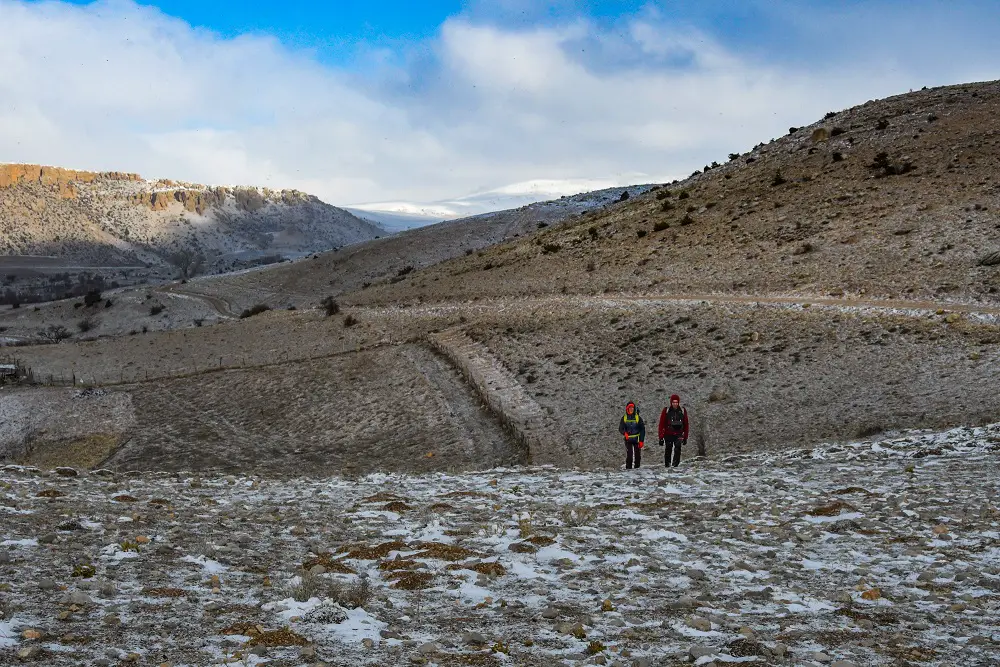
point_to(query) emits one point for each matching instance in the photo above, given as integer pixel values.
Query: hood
(675, 397)
(631, 404)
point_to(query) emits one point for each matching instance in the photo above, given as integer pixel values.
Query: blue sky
(453, 107)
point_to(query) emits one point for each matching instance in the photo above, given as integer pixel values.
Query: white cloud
(115, 85)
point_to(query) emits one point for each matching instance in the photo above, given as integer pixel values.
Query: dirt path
(505, 396)
(484, 437)
(218, 304)
(896, 306)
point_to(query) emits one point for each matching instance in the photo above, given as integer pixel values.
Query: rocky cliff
(116, 218)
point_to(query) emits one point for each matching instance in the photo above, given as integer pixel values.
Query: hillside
(896, 198)
(854, 295)
(387, 260)
(121, 220)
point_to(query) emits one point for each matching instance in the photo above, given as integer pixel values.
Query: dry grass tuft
(327, 560)
(50, 493)
(397, 506)
(833, 509)
(281, 637)
(412, 581)
(444, 552)
(397, 564)
(382, 497)
(165, 592)
(374, 553)
(83, 453)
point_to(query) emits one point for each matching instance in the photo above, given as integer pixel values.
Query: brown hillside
(728, 303)
(116, 219)
(893, 198)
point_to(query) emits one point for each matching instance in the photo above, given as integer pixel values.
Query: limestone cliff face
(120, 218)
(12, 174)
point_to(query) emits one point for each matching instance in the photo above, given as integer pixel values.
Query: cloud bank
(485, 104)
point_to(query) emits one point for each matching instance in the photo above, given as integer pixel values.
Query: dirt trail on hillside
(485, 438)
(896, 306)
(218, 304)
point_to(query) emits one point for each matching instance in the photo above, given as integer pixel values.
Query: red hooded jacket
(665, 427)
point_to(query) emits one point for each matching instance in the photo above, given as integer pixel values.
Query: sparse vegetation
(350, 321)
(884, 166)
(778, 179)
(156, 309)
(85, 325)
(550, 248)
(660, 225)
(92, 298)
(330, 306)
(255, 310)
(54, 333)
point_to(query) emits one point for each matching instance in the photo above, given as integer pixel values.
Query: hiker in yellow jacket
(633, 428)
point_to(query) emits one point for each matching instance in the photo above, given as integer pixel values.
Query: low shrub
(255, 310)
(330, 306)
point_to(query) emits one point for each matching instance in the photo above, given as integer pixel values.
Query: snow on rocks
(868, 554)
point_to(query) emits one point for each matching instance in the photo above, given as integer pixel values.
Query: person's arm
(662, 430)
(621, 425)
(685, 424)
(642, 430)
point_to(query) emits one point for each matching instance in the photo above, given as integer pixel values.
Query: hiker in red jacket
(673, 431)
(634, 429)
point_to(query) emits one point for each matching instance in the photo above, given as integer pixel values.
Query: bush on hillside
(255, 310)
(330, 306)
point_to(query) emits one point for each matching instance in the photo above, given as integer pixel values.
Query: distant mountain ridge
(118, 218)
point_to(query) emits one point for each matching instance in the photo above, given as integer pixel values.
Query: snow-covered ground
(877, 553)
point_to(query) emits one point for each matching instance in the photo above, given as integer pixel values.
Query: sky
(449, 108)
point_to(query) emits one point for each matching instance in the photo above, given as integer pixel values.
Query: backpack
(675, 418)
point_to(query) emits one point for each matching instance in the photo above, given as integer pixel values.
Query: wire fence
(126, 376)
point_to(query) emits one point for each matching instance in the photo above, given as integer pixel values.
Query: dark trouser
(632, 454)
(672, 450)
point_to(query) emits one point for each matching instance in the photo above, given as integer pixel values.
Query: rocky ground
(874, 553)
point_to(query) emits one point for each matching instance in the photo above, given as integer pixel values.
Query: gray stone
(819, 656)
(699, 623)
(844, 663)
(47, 584)
(696, 652)
(550, 613)
(78, 598)
(685, 602)
(48, 538)
(473, 638)
(696, 574)
(428, 648)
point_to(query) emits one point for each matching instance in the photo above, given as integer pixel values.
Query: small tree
(92, 298)
(330, 306)
(55, 333)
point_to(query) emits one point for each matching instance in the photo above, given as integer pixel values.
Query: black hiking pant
(633, 454)
(672, 450)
